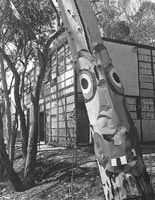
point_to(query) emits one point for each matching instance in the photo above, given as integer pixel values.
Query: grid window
(62, 79)
(131, 104)
(147, 108)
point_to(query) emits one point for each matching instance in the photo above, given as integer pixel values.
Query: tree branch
(22, 21)
(9, 62)
(52, 38)
(56, 12)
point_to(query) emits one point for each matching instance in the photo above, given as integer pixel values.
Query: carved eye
(88, 84)
(114, 80)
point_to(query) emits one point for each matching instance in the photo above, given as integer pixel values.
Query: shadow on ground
(61, 174)
(64, 174)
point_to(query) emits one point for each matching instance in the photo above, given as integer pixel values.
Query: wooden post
(116, 144)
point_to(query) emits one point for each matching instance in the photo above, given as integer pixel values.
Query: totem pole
(116, 145)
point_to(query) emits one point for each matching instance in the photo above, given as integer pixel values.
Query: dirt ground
(65, 174)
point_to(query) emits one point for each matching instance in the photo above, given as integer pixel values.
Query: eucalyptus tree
(6, 88)
(4, 158)
(31, 26)
(110, 18)
(142, 25)
(126, 20)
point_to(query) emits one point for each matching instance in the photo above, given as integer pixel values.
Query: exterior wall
(138, 77)
(58, 98)
(146, 65)
(136, 67)
(124, 58)
(62, 110)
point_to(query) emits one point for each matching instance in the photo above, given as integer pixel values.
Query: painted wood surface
(115, 138)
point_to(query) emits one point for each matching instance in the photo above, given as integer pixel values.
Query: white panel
(69, 90)
(62, 125)
(69, 66)
(61, 109)
(54, 133)
(42, 107)
(53, 96)
(70, 99)
(61, 78)
(48, 120)
(124, 58)
(54, 110)
(69, 81)
(53, 89)
(69, 74)
(61, 85)
(41, 101)
(53, 75)
(70, 107)
(61, 102)
(61, 93)
(48, 105)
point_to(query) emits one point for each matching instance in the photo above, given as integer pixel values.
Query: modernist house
(63, 115)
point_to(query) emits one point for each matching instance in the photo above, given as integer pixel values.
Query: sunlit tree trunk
(20, 111)
(13, 137)
(4, 158)
(29, 172)
(10, 133)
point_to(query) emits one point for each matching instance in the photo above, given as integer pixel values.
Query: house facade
(63, 116)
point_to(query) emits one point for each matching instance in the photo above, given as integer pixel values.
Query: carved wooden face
(104, 97)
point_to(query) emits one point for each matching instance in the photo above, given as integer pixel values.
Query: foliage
(124, 21)
(26, 34)
(143, 24)
(110, 19)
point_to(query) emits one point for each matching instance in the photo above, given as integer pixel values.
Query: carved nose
(118, 137)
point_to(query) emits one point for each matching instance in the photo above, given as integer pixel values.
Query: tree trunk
(4, 158)
(29, 172)
(22, 117)
(116, 144)
(13, 139)
(8, 111)
(18, 102)
(2, 170)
